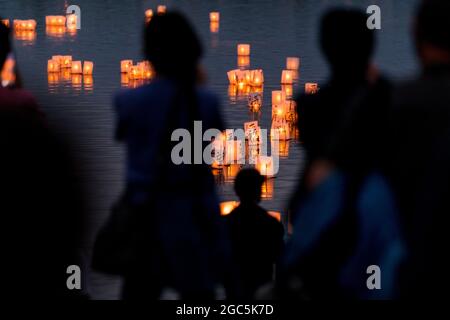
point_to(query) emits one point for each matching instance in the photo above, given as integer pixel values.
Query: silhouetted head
(346, 41)
(248, 185)
(433, 31)
(5, 45)
(172, 46)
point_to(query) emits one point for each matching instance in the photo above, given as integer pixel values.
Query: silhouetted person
(344, 211)
(256, 237)
(180, 230)
(420, 154)
(40, 202)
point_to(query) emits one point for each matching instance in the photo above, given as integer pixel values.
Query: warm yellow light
(5, 22)
(161, 9)
(275, 214)
(287, 77)
(311, 88)
(227, 207)
(148, 14)
(67, 62)
(88, 67)
(76, 67)
(125, 65)
(243, 49)
(53, 66)
(214, 16)
(292, 63)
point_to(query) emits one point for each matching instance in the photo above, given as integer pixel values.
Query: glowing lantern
(6, 22)
(254, 102)
(25, 24)
(283, 148)
(72, 30)
(287, 90)
(236, 77)
(230, 172)
(264, 164)
(243, 61)
(125, 65)
(66, 74)
(67, 62)
(311, 88)
(214, 16)
(251, 130)
(228, 206)
(88, 67)
(257, 78)
(8, 75)
(292, 63)
(278, 97)
(59, 21)
(275, 214)
(76, 80)
(243, 49)
(76, 67)
(161, 9)
(287, 77)
(148, 14)
(53, 65)
(124, 79)
(88, 82)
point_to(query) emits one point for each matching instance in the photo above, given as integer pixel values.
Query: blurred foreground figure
(39, 203)
(256, 237)
(345, 215)
(170, 212)
(420, 153)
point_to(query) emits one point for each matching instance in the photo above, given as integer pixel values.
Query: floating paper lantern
(53, 65)
(53, 78)
(287, 77)
(59, 21)
(292, 63)
(267, 189)
(88, 67)
(251, 129)
(234, 76)
(264, 164)
(125, 65)
(161, 9)
(76, 79)
(227, 206)
(5, 22)
(283, 148)
(280, 129)
(67, 62)
(25, 24)
(257, 78)
(66, 75)
(278, 97)
(148, 14)
(233, 151)
(287, 90)
(254, 102)
(243, 49)
(76, 67)
(275, 214)
(214, 16)
(311, 88)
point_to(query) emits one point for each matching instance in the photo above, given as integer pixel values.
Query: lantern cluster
(57, 63)
(24, 30)
(135, 75)
(29, 25)
(58, 26)
(245, 82)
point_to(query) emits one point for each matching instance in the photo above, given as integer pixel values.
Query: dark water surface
(111, 31)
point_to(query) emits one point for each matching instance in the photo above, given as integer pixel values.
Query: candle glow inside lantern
(148, 14)
(287, 77)
(72, 21)
(292, 63)
(25, 24)
(55, 31)
(76, 67)
(5, 22)
(243, 49)
(25, 35)
(88, 67)
(254, 102)
(264, 164)
(287, 90)
(257, 78)
(135, 73)
(214, 16)
(267, 189)
(282, 128)
(278, 97)
(53, 65)
(125, 65)
(59, 21)
(76, 80)
(67, 62)
(227, 206)
(311, 88)
(161, 9)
